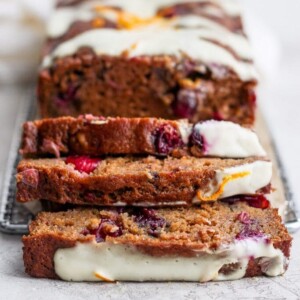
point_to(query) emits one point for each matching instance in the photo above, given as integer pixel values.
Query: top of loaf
(206, 31)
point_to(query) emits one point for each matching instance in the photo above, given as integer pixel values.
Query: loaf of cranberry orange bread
(137, 58)
(217, 241)
(91, 135)
(140, 180)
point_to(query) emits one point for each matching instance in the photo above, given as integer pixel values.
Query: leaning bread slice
(140, 181)
(90, 135)
(217, 241)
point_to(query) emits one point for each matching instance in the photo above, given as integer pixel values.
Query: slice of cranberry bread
(140, 180)
(90, 135)
(217, 241)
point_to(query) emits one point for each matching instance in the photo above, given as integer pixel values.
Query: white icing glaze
(227, 139)
(214, 31)
(159, 37)
(63, 17)
(259, 174)
(146, 8)
(185, 130)
(155, 40)
(126, 263)
(275, 200)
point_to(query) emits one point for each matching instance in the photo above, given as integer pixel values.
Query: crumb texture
(154, 231)
(117, 180)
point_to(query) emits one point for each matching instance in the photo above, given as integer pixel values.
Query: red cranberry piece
(196, 139)
(107, 227)
(146, 217)
(217, 116)
(244, 218)
(166, 138)
(30, 177)
(101, 232)
(248, 232)
(252, 97)
(257, 201)
(63, 99)
(185, 103)
(83, 163)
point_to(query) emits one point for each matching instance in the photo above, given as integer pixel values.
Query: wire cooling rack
(15, 217)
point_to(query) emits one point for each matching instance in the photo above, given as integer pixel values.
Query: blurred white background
(273, 27)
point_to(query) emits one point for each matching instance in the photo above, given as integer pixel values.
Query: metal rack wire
(14, 217)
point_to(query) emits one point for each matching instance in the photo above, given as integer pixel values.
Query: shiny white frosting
(63, 17)
(185, 130)
(146, 9)
(227, 139)
(259, 174)
(126, 263)
(195, 37)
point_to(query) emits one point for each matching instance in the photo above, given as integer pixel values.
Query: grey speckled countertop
(14, 284)
(280, 102)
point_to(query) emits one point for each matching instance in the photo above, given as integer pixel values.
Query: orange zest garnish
(103, 278)
(186, 82)
(220, 190)
(133, 46)
(98, 22)
(130, 21)
(126, 20)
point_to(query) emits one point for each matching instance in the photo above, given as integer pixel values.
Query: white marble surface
(280, 101)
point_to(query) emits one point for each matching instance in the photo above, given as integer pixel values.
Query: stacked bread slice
(148, 199)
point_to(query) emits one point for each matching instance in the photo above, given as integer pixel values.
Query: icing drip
(148, 8)
(244, 179)
(110, 261)
(156, 40)
(227, 139)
